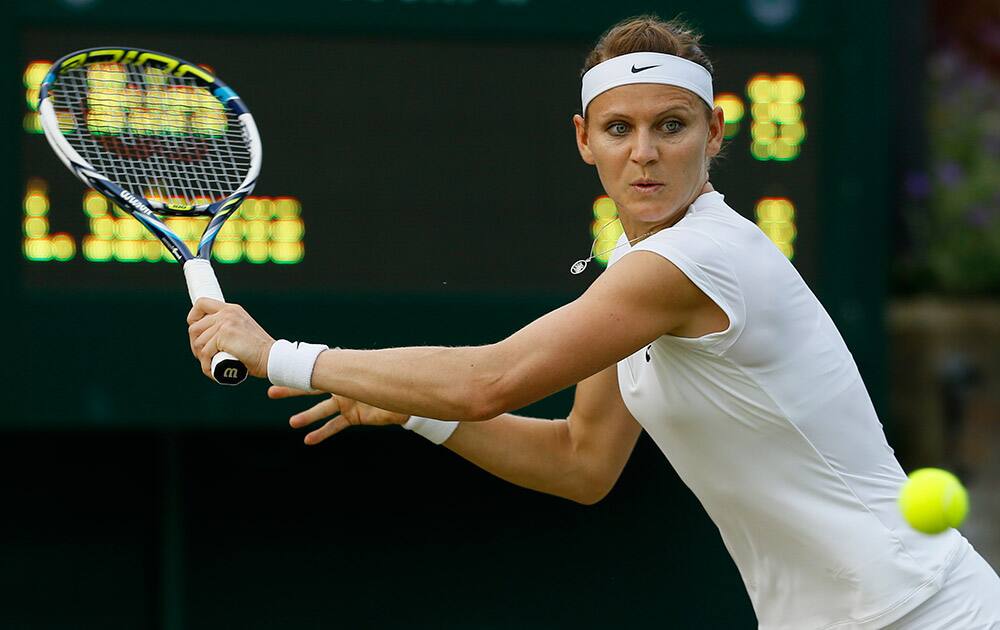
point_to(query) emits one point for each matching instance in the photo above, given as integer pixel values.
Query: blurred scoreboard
(421, 166)
(420, 181)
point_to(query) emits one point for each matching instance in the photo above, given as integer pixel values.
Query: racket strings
(156, 135)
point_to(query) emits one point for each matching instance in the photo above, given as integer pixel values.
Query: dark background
(137, 494)
(424, 166)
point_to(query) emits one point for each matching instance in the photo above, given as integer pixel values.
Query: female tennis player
(700, 332)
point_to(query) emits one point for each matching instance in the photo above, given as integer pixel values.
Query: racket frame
(198, 272)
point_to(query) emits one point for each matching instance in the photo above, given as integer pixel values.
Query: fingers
(203, 307)
(199, 319)
(214, 326)
(204, 348)
(208, 305)
(277, 391)
(199, 335)
(320, 410)
(333, 427)
(199, 326)
(347, 412)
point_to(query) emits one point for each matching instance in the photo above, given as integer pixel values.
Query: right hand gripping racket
(158, 136)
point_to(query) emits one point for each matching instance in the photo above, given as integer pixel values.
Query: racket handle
(202, 283)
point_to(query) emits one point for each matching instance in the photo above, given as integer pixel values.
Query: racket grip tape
(202, 283)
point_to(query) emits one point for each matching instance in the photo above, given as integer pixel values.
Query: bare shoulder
(640, 298)
(654, 294)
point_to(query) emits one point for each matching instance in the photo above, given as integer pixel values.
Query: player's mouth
(646, 186)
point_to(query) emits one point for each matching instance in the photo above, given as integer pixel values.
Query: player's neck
(636, 231)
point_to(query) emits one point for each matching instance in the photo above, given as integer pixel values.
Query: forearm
(476, 382)
(532, 453)
(579, 458)
(436, 382)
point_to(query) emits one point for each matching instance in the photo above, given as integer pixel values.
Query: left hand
(215, 326)
(339, 412)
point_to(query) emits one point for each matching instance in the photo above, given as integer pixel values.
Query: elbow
(484, 398)
(591, 495)
(479, 402)
(594, 477)
(489, 391)
(587, 500)
(592, 487)
(482, 406)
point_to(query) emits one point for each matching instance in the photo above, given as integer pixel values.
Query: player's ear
(582, 139)
(716, 131)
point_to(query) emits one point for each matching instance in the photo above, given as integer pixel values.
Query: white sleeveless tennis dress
(770, 425)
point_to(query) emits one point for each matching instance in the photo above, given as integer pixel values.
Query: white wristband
(291, 364)
(436, 431)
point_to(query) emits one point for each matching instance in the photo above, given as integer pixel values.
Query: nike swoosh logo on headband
(635, 70)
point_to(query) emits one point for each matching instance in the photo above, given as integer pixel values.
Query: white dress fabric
(770, 425)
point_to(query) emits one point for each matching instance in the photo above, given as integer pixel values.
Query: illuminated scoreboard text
(262, 230)
(475, 188)
(777, 132)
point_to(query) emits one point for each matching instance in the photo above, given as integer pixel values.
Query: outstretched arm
(578, 458)
(640, 298)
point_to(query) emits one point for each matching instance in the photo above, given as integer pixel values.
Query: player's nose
(644, 150)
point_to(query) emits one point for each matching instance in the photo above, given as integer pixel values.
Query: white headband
(647, 67)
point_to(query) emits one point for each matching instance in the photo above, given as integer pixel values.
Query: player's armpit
(642, 297)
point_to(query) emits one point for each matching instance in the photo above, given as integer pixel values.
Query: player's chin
(652, 209)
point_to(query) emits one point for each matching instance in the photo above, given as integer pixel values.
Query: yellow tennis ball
(932, 500)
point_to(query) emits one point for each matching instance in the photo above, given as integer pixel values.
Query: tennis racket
(158, 136)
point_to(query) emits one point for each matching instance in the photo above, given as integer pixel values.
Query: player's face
(651, 144)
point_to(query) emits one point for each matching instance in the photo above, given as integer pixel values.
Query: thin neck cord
(580, 265)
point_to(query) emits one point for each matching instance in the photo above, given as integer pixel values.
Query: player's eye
(618, 128)
(672, 126)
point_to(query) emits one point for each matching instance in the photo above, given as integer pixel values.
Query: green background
(205, 512)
